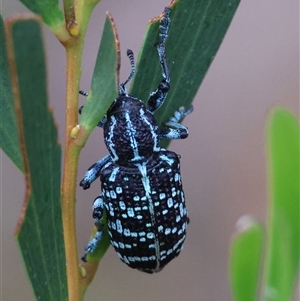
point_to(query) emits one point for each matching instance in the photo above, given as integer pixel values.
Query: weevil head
(130, 132)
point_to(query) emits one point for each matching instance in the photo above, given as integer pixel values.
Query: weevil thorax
(130, 132)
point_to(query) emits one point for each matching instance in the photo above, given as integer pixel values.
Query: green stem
(73, 143)
(70, 173)
(74, 55)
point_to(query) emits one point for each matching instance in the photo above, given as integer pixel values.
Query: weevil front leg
(102, 121)
(174, 129)
(91, 246)
(158, 97)
(93, 172)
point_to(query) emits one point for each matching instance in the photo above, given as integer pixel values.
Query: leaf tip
(22, 17)
(244, 223)
(158, 18)
(117, 44)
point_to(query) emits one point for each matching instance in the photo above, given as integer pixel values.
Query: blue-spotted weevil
(141, 185)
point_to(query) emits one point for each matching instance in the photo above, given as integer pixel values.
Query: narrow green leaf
(40, 230)
(196, 33)
(282, 259)
(104, 87)
(9, 140)
(49, 10)
(245, 259)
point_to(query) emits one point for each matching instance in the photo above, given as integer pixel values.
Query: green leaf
(282, 259)
(9, 140)
(246, 255)
(40, 230)
(196, 33)
(104, 87)
(49, 10)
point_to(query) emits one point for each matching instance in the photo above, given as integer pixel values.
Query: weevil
(141, 184)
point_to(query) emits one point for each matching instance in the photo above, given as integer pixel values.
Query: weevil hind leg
(98, 208)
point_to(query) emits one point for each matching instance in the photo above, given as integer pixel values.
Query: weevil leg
(81, 92)
(91, 246)
(102, 121)
(174, 129)
(93, 172)
(158, 97)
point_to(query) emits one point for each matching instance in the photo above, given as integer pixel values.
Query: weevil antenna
(122, 89)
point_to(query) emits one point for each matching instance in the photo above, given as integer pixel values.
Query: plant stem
(73, 145)
(70, 172)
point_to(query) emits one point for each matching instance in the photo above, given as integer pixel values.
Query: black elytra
(141, 185)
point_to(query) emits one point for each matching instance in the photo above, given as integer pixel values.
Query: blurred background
(223, 160)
